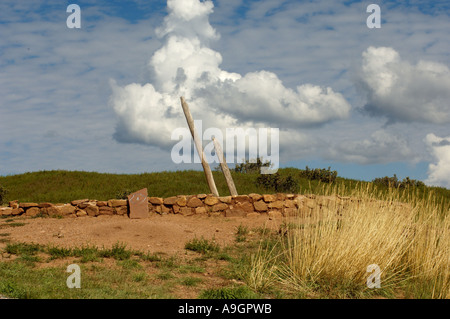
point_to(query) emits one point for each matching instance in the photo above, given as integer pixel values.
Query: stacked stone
(228, 206)
(252, 205)
(76, 208)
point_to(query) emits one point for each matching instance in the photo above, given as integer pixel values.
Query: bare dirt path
(168, 233)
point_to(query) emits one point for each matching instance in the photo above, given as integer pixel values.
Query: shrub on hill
(123, 194)
(396, 183)
(3, 193)
(252, 167)
(277, 183)
(320, 174)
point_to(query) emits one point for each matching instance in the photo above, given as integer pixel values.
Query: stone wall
(274, 205)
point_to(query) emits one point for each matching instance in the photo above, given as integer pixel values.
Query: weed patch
(202, 246)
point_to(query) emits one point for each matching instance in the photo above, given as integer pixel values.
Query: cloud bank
(439, 173)
(381, 147)
(403, 92)
(186, 66)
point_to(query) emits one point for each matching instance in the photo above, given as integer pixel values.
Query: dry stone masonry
(252, 205)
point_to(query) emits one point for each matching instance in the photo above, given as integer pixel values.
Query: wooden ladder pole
(198, 145)
(224, 167)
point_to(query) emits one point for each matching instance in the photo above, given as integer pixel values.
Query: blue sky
(386, 110)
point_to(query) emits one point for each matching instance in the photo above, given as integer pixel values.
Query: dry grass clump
(428, 257)
(327, 254)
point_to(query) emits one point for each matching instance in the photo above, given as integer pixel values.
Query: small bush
(277, 183)
(396, 183)
(3, 192)
(123, 194)
(320, 174)
(252, 167)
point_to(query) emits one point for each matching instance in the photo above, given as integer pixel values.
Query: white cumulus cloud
(439, 173)
(186, 66)
(404, 92)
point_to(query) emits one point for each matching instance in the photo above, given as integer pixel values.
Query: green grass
(91, 253)
(191, 281)
(165, 275)
(22, 249)
(97, 282)
(65, 186)
(33, 273)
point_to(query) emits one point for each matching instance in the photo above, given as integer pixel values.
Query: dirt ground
(167, 233)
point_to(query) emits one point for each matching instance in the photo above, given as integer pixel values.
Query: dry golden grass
(429, 254)
(327, 254)
(262, 273)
